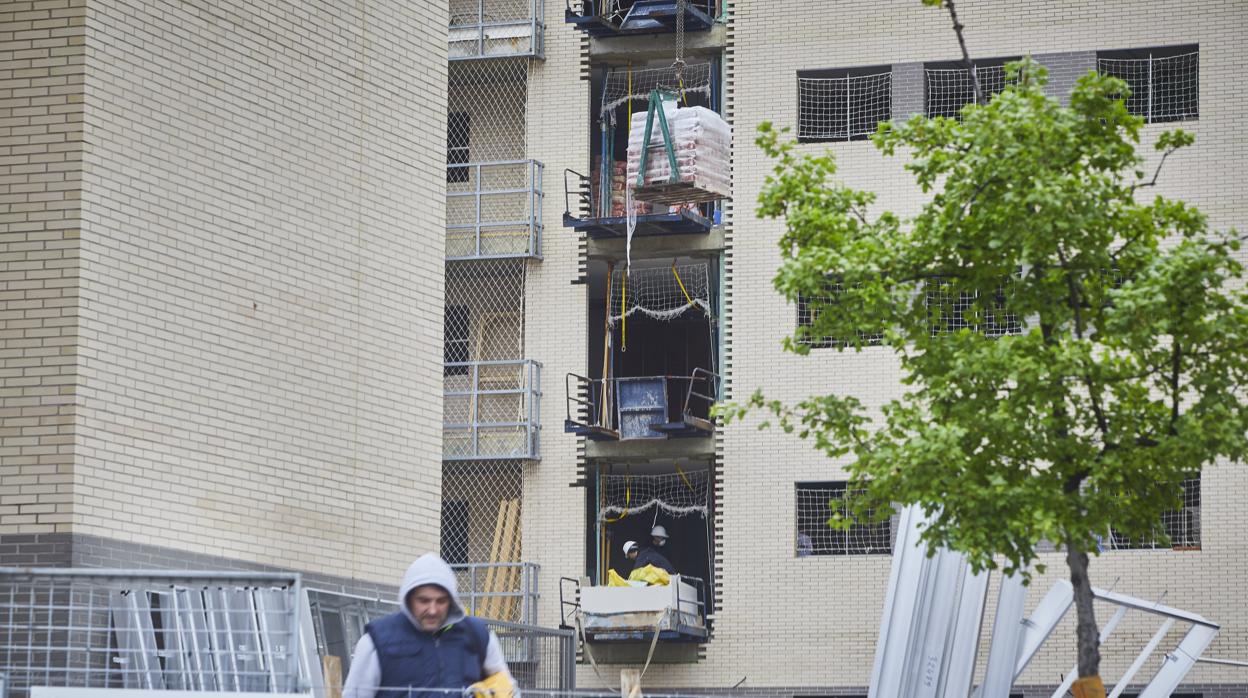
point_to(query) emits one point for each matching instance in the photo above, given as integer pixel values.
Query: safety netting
(661, 293)
(682, 493)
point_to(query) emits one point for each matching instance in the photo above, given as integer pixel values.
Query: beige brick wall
(829, 607)
(261, 280)
(41, 77)
(814, 621)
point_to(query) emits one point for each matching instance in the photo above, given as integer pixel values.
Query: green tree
(1070, 350)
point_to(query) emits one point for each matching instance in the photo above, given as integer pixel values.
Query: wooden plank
(503, 604)
(331, 665)
(495, 547)
(515, 576)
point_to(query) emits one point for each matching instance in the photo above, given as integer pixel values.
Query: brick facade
(222, 277)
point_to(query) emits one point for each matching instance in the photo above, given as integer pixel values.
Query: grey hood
(430, 569)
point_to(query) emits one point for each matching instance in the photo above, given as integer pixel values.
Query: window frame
(1117, 541)
(961, 65)
(846, 548)
(458, 146)
(1153, 54)
(847, 74)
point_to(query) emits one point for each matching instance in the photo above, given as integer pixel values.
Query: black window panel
(816, 503)
(455, 526)
(1164, 81)
(1181, 525)
(842, 105)
(456, 339)
(458, 128)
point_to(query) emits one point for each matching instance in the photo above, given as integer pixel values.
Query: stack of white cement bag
(702, 141)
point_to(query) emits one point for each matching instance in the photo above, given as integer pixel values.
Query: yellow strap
(628, 498)
(686, 479)
(681, 284)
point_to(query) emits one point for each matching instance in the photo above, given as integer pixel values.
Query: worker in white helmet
(650, 556)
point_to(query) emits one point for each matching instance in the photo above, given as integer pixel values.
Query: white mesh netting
(841, 109)
(950, 89)
(816, 503)
(678, 494)
(623, 84)
(662, 293)
(1162, 88)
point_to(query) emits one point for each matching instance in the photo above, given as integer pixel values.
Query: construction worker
(430, 643)
(650, 556)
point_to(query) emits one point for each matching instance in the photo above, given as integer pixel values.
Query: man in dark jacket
(647, 556)
(429, 643)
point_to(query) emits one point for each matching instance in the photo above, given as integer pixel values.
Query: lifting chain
(679, 64)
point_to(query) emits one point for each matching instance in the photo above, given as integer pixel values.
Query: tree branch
(1153, 182)
(966, 56)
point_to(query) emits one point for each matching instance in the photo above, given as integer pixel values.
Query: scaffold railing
(491, 410)
(497, 29)
(494, 210)
(230, 632)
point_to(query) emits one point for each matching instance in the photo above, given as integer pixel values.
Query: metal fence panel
(149, 630)
(540, 658)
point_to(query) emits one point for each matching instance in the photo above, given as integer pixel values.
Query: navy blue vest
(411, 659)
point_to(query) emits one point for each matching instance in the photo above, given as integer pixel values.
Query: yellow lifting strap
(686, 479)
(628, 499)
(680, 283)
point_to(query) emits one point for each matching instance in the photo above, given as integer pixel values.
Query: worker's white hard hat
(658, 532)
(629, 546)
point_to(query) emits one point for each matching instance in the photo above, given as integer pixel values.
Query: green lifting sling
(656, 106)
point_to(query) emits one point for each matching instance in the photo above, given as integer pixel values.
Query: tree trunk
(1086, 633)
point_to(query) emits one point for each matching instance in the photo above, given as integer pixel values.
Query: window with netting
(1165, 81)
(947, 87)
(456, 339)
(843, 105)
(816, 503)
(458, 125)
(1181, 526)
(808, 309)
(950, 309)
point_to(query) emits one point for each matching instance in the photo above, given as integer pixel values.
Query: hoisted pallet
(697, 144)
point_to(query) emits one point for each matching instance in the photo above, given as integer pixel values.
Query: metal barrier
(641, 407)
(494, 209)
(491, 410)
(497, 29)
(541, 659)
(505, 591)
(203, 631)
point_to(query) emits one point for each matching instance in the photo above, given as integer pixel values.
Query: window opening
(458, 151)
(843, 105)
(1181, 526)
(455, 340)
(948, 86)
(816, 503)
(455, 532)
(808, 308)
(950, 309)
(1165, 81)
(632, 499)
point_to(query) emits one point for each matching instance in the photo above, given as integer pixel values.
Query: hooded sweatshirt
(364, 678)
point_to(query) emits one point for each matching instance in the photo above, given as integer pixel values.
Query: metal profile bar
(1179, 662)
(1141, 658)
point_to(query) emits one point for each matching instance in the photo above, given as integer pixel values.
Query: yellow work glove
(493, 686)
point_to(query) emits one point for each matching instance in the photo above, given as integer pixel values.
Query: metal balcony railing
(491, 410)
(641, 407)
(494, 210)
(497, 29)
(167, 631)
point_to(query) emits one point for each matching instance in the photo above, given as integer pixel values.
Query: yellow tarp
(615, 580)
(650, 575)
